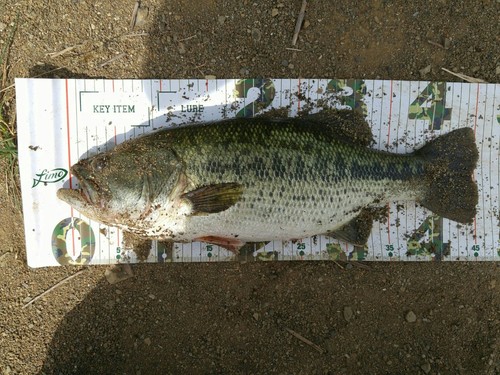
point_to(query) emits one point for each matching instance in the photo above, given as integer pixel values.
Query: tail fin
(452, 192)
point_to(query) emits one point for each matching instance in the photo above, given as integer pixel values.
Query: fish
(244, 180)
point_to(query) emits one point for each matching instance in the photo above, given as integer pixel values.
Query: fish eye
(99, 164)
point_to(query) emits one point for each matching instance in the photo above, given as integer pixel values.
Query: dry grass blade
(53, 287)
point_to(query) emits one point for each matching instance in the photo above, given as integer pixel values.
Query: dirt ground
(239, 318)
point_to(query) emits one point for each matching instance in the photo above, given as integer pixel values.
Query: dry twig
(53, 287)
(134, 15)
(306, 341)
(339, 265)
(361, 265)
(189, 37)
(117, 57)
(62, 52)
(435, 44)
(298, 24)
(132, 35)
(465, 77)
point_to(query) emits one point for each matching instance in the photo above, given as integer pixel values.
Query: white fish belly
(298, 213)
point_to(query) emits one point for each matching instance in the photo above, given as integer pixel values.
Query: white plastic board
(62, 121)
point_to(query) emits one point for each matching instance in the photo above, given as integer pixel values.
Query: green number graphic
(60, 246)
(350, 92)
(433, 226)
(430, 105)
(266, 95)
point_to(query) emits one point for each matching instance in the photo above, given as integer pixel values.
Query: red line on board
(67, 131)
(113, 85)
(473, 176)
(390, 118)
(69, 159)
(206, 84)
(388, 140)
(298, 96)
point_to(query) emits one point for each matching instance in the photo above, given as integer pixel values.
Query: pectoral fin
(357, 230)
(214, 198)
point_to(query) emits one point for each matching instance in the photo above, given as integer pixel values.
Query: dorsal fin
(347, 125)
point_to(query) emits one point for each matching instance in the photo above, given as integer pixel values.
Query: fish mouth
(88, 192)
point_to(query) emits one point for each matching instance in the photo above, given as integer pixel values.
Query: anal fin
(357, 230)
(231, 244)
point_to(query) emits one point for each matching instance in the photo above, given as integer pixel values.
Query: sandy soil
(430, 318)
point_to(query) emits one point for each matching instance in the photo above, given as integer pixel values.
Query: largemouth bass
(248, 180)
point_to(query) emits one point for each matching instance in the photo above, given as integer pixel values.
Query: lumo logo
(49, 177)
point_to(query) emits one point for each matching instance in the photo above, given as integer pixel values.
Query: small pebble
(256, 316)
(274, 12)
(284, 62)
(27, 299)
(256, 34)
(411, 317)
(348, 313)
(426, 367)
(221, 20)
(147, 341)
(2, 26)
(425, 70)
(152, 296)
(498, 70)
(181, 48)
(306, 24)
(142, 16)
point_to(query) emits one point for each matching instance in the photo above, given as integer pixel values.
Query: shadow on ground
(233, 318)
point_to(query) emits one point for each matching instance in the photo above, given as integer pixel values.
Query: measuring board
(62, 121)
